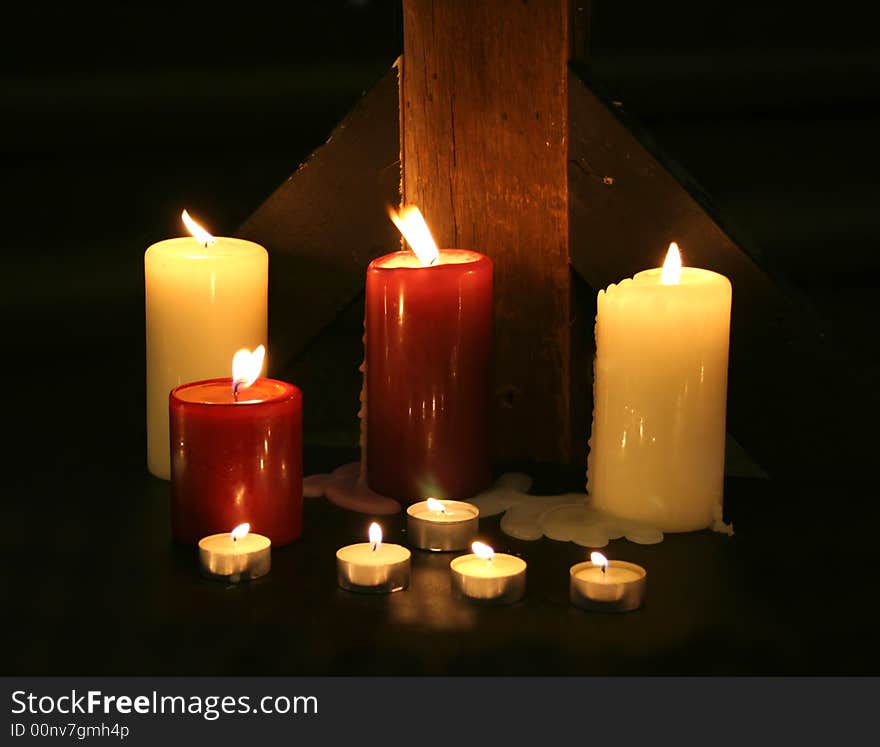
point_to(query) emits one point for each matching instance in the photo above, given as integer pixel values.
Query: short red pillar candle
(428, 341)
(236, 460)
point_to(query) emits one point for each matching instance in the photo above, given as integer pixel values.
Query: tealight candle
(487, 576)
(603, 585)
(235, 556)
(373, 567)
(442, 526)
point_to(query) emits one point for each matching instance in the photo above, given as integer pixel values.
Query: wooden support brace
(325, 224)
(626, 206)
(483, 118)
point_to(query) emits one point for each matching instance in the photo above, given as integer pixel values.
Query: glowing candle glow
(604, 585)
(660, 397)
(373, 567)
(670, 273)
(205, 298)
(441, 526)
(237, 454)
(427, 380)
(487, 576)
(412, 225)
(235, 556)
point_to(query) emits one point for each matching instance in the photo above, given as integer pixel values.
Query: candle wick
(235, 386)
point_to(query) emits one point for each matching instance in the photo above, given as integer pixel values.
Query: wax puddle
(344, 487)
(567, 517)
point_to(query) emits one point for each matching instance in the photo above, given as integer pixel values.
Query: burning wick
(411, 224)
(375, 534)
(671, 272)
(482, 550)
(435, 505)
(597, 558)
(199, 233)
(246, 367)
(241, 530)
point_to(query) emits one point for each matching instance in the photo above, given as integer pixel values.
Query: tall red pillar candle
(428, 340)
(236, 460)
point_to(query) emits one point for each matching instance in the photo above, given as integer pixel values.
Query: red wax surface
(428, 375)
(236, 461)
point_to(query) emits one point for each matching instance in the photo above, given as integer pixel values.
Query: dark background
(113, 118)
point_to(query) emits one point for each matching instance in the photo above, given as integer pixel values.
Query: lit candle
(603, 585)
(237, 454)
(205, 299)
(239, 555)
(428, 344)
(441, 525)
(487, 576)
(373, 567)
(660, 393)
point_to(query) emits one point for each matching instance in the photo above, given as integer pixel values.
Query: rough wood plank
(626, 206)
(483, 126)
(327, 221)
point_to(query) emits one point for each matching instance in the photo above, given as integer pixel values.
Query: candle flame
(240, 532)
(246, 367)
(411, 224)
(375, 535)
(597, 558)
(482, 550)
(671, 273)
(435, 505)
(200, 234)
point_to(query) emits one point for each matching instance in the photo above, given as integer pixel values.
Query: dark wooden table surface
(95, 586)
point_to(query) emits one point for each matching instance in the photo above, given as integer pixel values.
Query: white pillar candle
(373, 567)
(206, 298)
(235, 556)
(487, 576)
(441, 526)
(604, 585)
(660, 394)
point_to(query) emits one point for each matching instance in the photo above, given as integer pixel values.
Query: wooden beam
(483, 130)
(327, 221)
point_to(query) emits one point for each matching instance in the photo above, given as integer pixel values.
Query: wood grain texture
(327, 221)
(483, 131)
(626, 206)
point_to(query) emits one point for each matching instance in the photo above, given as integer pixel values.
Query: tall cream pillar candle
(660, 394)
(206, 298)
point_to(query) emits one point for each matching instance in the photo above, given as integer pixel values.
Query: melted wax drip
(344, 488)
(566, 518)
